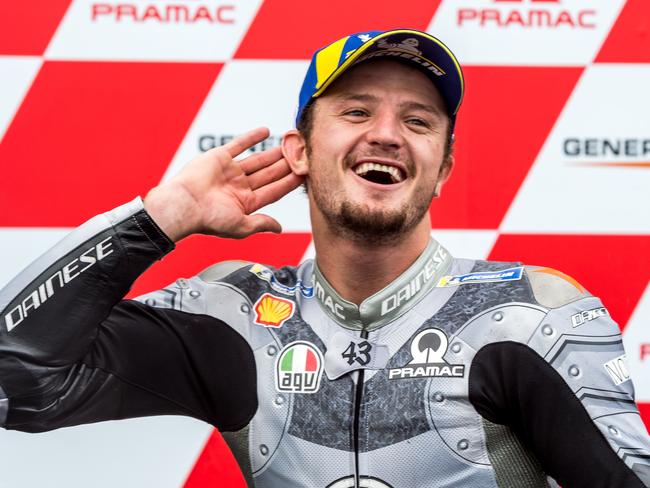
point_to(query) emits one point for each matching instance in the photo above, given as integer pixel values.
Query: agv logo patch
(299, 368)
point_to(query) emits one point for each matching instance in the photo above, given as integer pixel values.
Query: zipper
(358, 394)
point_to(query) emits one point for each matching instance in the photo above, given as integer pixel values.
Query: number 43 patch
(346, 353)
(358, 352)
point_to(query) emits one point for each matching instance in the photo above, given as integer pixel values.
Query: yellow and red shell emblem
(272, 311)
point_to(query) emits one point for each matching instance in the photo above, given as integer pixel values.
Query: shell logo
(272, 311)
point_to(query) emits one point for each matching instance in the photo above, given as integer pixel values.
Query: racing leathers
(460, 373)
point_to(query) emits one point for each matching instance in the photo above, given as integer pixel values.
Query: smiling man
(384, 362)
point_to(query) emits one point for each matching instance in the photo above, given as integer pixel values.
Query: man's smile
(380, 170)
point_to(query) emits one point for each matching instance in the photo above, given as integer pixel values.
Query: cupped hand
(214, 194)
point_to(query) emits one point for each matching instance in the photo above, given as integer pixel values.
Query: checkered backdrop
(101, 100)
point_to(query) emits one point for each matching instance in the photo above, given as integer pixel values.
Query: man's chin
(369, 225)
(368, 220)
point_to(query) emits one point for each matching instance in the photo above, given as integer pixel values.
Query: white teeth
(395, 173)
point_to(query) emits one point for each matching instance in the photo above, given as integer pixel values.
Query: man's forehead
(368, 79)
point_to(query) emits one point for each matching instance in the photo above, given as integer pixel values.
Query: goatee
(371, 227)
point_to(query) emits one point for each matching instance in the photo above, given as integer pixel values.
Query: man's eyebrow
(409, 105)
(358, 97)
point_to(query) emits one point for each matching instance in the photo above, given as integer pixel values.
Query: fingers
(261, 223)
(245, 141)
(260, 160)
(276, 171)
(277, 189)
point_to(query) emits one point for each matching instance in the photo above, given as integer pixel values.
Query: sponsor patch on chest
(427, 350)
(265, 274)
(272, 311)
(511, 274)
(299, 368)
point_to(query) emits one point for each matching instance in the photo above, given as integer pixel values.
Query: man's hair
(306, 125)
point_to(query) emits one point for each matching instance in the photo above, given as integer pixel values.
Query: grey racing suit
(460, 373)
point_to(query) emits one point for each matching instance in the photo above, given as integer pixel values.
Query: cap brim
(420, 48)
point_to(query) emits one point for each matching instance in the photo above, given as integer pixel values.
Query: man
(383, 363)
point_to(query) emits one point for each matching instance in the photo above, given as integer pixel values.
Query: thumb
(262, 223)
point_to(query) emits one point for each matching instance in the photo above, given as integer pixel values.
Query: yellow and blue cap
(408, 45)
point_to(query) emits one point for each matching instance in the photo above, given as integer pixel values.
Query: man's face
(376, 150)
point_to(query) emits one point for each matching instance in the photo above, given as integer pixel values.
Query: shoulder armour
(552, 288)
(221, 270)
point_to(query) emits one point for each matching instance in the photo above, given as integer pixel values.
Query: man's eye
(417, 121)
(356, 112)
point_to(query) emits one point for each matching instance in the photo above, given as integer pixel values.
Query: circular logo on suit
(364, 482)
(429, 347)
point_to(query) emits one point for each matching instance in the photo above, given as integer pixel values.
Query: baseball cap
(407, 45)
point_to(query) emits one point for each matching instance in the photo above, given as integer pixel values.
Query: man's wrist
(172, 209)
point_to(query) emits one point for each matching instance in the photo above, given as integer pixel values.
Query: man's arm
(71, 352)
(566, 393)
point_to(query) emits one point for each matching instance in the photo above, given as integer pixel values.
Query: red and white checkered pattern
(101, 100)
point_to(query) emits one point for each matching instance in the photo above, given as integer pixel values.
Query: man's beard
(357, 222)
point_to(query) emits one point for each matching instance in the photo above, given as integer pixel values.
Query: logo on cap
(411, 45)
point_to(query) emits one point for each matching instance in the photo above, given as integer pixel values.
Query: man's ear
(294, 150)
(443, 174)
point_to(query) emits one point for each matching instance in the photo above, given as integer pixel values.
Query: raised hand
(214, 194)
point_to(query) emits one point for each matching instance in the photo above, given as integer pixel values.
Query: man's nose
(385, 131)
